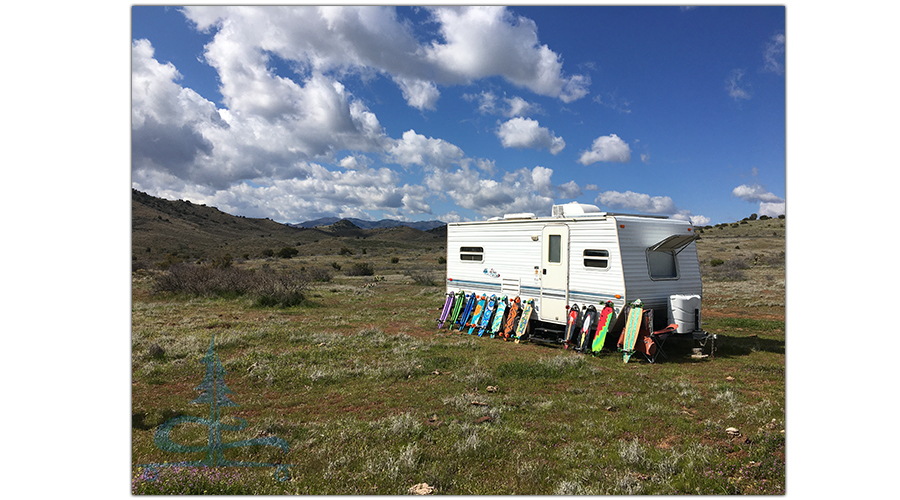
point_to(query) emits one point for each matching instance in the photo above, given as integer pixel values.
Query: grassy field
(373, 399)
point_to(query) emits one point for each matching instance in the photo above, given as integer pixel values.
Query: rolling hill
(189, 231)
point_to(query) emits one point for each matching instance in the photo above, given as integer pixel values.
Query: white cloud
(644, 203)
(754, 193)
(771, 209)
(419, 94)
(637, 201)
(268, 150)
(525, 133)
(416, 149)
(525, 190)
(607, 148)
(774, 54)
(769, 203)
(614, 102)
(734, 87)
(473, 43)
(699, 220)
(485, 41)
(514, 106)
(645, 157)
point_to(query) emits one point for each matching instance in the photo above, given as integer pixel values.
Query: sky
(461, 113)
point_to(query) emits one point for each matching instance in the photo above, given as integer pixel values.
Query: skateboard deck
(467, 311)
(632, 329)
(498, 316)
(459, 303)
(486, 315)
(512, 317)
(476, 314)
(571, 325)
(587, 329)
(522, 327)
(604, 321)
(448, 305)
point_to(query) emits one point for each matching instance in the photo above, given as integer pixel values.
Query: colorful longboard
(487, 314)
(459, 303)
(512, 318)
(464, 317)
(572, 325)
(498, 316)
(632, 329)
(522, 328)
(448, 305)
(476, 314)
(587, 329)
(603, 323)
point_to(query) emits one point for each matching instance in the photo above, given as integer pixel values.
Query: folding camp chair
(649, 342)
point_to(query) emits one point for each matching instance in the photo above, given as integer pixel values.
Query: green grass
(373, 399)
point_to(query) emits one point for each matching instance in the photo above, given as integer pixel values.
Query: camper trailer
(582, 256)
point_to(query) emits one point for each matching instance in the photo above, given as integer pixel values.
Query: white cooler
(684, 311)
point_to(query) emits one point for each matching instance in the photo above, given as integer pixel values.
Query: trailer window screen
(475, 254)
(596, 258)
(554, 253)
(662, 265)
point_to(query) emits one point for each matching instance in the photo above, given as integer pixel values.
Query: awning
(674, 243)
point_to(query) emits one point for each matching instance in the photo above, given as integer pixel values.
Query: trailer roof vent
(575, 209)
(523, 215)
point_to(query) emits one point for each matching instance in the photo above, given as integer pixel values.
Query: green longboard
(498, 317)
(632, 328)
(476, 314)
(458, 306)
(523, 321)
(603, 324)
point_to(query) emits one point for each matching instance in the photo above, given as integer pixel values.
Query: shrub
(170, 260)
(345, 251)
(361, 269)
(395, 260)
(268, 288)
(716, 262)
(288, 252)
(442, 260)
(268, 252)
(336, 266)
(424, 278)
(221, 262)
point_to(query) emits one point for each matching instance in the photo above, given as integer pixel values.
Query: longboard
(464, 317)
(448, 305)
(603, 323)
(587, 329)
(459, 304)
(476, 314)
(522, 328)
(572, 325)
(486, 315)
(512, 318)
(498, 316)
(632, 328)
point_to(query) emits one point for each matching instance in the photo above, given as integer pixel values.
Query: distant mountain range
(369, 224)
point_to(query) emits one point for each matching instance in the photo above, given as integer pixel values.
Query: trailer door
(554, 273)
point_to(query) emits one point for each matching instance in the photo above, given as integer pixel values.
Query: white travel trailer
(579, 255)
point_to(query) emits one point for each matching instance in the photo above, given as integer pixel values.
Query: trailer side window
(662, 265)
(475, 254)
(596, 258)
(555, 247)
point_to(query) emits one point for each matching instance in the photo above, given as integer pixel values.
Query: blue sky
(457, 113)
